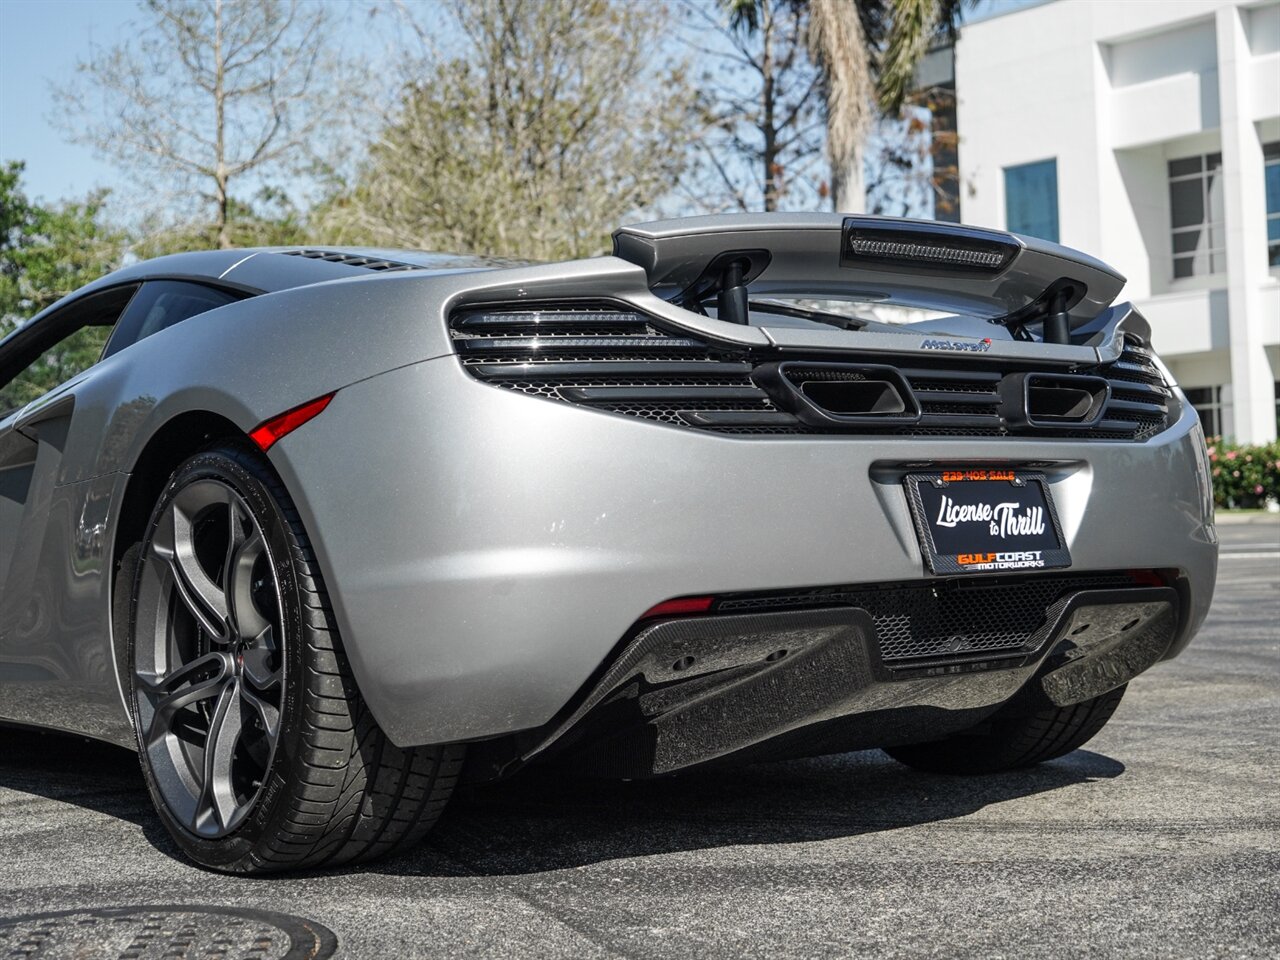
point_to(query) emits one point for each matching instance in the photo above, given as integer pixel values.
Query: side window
(162, 303)
(56, 365)
(42, 355)
(1197, 214)
(1271, 153)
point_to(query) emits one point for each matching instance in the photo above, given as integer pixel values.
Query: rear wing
(1009, 279)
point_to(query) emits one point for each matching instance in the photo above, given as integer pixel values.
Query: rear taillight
(1148, 578)
(681, 606)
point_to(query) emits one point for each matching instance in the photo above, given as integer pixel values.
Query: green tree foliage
(271, 222)
(47, 252)
(1244, 476)
(899, 33)
(549, 121)
(56, 365)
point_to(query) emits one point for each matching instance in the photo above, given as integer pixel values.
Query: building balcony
(1187, 321)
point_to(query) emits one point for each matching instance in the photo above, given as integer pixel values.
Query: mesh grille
(548, 351)
(667, 413)
(568, 355)
(809, 376)
(959, 618)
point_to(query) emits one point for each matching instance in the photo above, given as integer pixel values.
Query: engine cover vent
(617, 359)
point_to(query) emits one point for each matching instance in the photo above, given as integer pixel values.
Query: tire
(256, 747)
(1014, 739)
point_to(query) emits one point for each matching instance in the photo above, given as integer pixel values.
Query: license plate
(984, 520)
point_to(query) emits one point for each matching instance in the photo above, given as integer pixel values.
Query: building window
(1208, 404)
(1031, 199)
(1271, 154)
(1196, 213)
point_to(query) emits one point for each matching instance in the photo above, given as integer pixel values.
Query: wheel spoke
(169, 701)
(256, 664)
(174, 545)
(217, 793)
(267, 713)
(241, 558)
(185, 673)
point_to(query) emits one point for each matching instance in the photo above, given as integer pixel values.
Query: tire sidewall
(246, 472)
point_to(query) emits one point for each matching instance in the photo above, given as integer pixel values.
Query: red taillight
(272, 430)
(1147, 578)
(683, 605)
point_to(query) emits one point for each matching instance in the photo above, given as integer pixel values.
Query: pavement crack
(509, 885)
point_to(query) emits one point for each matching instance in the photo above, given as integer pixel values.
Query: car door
(41, 364)
(17, 464)
(56, 665)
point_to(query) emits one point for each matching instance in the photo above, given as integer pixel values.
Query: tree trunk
(848, 188)
(768, 96)
(220, 123)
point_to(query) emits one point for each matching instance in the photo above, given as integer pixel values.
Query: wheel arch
(177, 439)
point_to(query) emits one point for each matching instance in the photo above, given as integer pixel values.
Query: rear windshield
(778, 312)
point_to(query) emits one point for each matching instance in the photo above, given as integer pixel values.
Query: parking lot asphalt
(1160, 839)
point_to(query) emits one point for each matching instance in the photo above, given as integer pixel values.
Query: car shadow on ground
(545, 820)
(86, 773)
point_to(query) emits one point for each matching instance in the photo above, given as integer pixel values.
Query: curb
(1232, 518)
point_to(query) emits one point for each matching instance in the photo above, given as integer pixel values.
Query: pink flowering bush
(1244, 476)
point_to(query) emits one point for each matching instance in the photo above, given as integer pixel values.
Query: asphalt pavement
(1160, 839)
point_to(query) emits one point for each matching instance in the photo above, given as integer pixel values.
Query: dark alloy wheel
(208, 662)
(256, 746)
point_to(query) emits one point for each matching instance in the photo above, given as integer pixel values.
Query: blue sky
(40, 42)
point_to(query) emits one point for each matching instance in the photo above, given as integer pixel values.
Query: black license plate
(981, 520)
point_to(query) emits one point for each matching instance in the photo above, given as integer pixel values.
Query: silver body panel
(485, 550)
(520, 539)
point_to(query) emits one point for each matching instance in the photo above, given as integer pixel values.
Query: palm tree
(838, 47)
(866, 52)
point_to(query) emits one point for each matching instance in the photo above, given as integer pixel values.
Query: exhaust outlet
(840, 394)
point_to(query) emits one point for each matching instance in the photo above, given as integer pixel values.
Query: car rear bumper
(487, 551)
(686, 692)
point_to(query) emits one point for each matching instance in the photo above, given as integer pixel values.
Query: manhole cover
(164, 933)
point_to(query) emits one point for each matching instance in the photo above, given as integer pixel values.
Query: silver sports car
(309, 528)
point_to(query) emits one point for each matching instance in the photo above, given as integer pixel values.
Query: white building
(1147, 133)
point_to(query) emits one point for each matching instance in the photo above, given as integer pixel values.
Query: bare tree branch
(546, 122)
(207, 89)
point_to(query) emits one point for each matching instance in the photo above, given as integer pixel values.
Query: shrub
(1244, 476)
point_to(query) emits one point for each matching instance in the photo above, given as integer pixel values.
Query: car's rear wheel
(1019, 736)
(256, 747)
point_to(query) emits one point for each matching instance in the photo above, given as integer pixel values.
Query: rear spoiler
(1009, 279)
